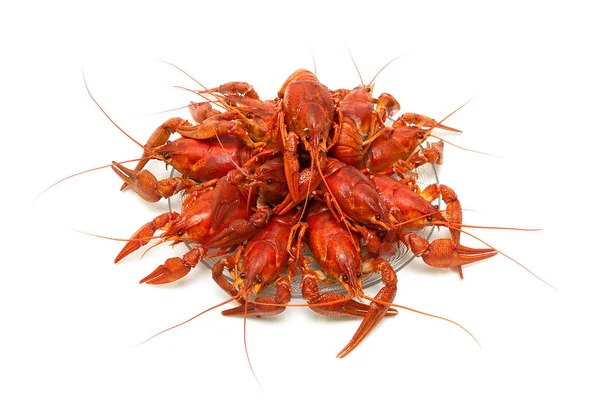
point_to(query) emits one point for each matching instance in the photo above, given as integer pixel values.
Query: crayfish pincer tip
(344, 352)
(129, 248)
(173, 269)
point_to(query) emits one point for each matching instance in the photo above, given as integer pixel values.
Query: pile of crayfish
(313, 168)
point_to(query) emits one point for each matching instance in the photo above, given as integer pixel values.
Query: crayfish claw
(421, 121)
(175, 268)
(143, 235)
(142, 182)
(172, 270)
(444, 253)
(145, 184)
(267, 307)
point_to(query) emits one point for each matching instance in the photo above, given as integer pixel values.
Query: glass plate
(427, 175)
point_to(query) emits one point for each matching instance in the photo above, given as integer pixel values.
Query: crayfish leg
(336, 305)
(264, 306)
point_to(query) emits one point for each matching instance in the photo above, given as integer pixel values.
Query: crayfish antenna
(310, 177)
(116, 239)
(188, 320)
(384, 67)
(206, 89)
(504, 254)
(333, 200)
(108, 116)
(355, 66)
(148, 152)
(439, 125)
(246, 347)
(85, 172)
(497, 227)
(196, 92)
(168, 111)
(422, 313)
(464, 148)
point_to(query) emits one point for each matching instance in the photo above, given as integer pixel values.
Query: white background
(71, 317)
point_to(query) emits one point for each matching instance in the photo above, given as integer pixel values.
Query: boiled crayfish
(267, 180)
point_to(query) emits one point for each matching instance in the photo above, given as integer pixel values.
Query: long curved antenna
(508, 228)
(188, 320)
(117, 239)
(206, 89)
(504, 254)
(86, 171)
(422, 313)
(451, 114)
(106, 114)
(168, 111)
(463, 148)
(356, 66)
(384, 67)
(450, 143)
(246, 347)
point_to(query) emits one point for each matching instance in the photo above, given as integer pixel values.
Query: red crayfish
(298, 187)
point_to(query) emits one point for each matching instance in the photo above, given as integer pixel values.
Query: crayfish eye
(436, 206)
(307, 137)
(269, 181)
(378, 217)
(368, 89)
(345, 278)
(320, 140)
(358, 275)
(430, 218)
(179, 233)
(263, 170)
(243, 275)
(248, 115)
(258, 279)
(421, 135)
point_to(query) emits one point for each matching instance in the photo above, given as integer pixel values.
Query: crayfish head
(270, 178)
(259, 269)
(176, 148)
(192, 226)
(349, 274)
(418, 135)
(378, 215)
(316, 127)
(410, 137)
(249, 285)
(423, 217)
(436, 219)
(177, 233)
